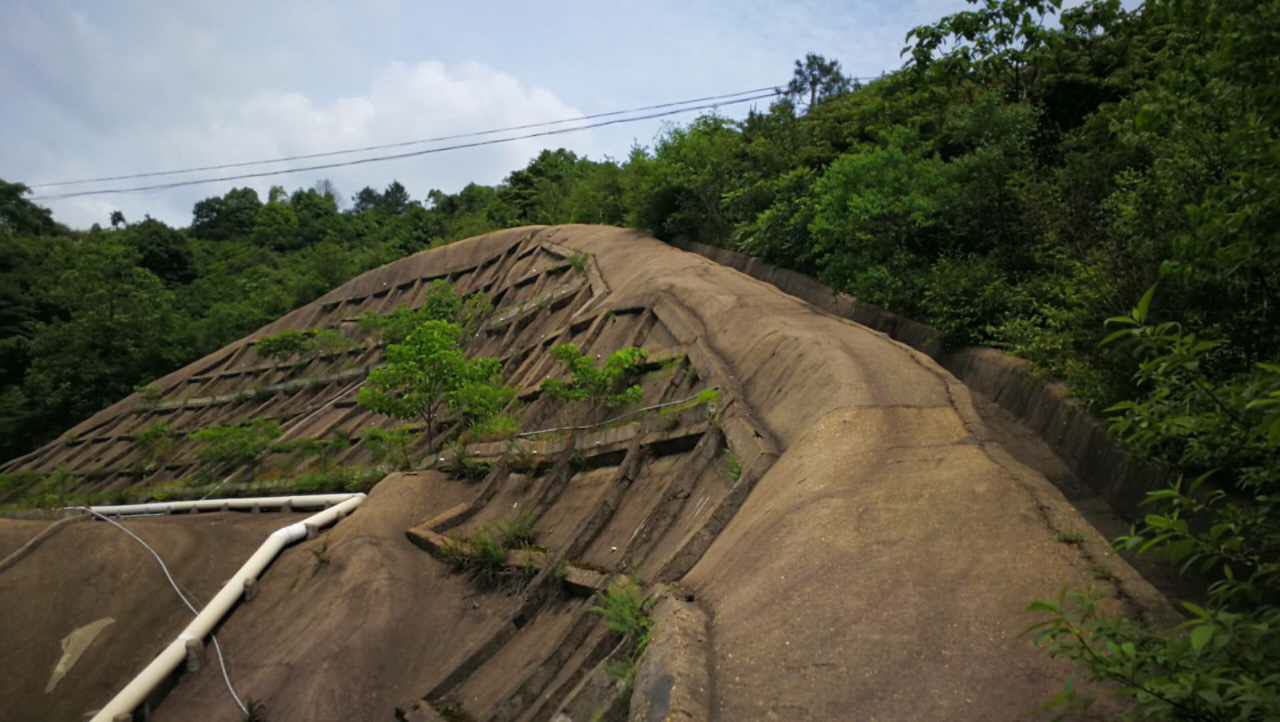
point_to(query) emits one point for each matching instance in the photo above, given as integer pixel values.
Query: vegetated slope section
(843, 537)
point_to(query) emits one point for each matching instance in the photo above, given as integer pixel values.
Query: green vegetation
(459, 464)
(607, 384)
(1070, 537)
(389, 445)
(430, 373)
(155, 443)
(236, 445)
(498, 427)
(482, 555)
(732, 468)
(309, 342)
(707, 397)
(1027, 176)
(1222, 524)
(350, 479)
(626, 612)
(324, 450)
(439, 303)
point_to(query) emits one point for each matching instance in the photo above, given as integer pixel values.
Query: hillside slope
(837, 536)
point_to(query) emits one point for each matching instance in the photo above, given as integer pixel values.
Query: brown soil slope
(843, 537)
(85, 572)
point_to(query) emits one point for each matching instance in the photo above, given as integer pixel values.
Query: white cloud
(92, 88)
(404, 101)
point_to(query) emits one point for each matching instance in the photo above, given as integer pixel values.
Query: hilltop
(835, 531)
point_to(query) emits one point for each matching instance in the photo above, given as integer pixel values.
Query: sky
(95, 89)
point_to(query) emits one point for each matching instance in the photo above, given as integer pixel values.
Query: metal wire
(397, 156)
(401, 144)
(222, 662)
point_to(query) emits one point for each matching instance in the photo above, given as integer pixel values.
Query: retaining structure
(1044, 406)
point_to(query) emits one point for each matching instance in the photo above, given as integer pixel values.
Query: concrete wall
(1043, 406)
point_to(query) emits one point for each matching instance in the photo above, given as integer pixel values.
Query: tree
(394, 200)
(327, 187)
(317, 214)
(428, 374)
(534, 192)
(113, 329)
(275, 225)
(117, 219)
(996, 41)
(1220, 664)
(818, 78)
(366, 200)
(163, 250)
(230, 216)
(608, 384)
(19, 216)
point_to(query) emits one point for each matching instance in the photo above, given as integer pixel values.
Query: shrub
(607, 384)
(308, 342)
(483, 554)
(439, 303)
(335, 480)
(1221, 663)
(389, 445)
(155, 443)
(322, 449)
(517, 530)
(459, 464)
(238, 444)
(498, 427)
(626, 612)
(283, 345)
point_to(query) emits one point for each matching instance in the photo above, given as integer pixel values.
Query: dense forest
(1095, 189)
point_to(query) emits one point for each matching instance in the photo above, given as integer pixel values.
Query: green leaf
(1201, 635)
(1041, 605)
(1144, 305)
(1196, 609)
(1116, 336)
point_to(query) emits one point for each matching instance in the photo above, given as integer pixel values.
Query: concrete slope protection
(838, 535)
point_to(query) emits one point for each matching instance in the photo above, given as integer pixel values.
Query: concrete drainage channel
(188, 646)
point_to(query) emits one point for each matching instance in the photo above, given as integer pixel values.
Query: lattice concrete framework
(838, 536)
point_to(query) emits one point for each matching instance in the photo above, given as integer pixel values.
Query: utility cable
(222, 662)
(398, 156)
(401, 144)
(617, 418)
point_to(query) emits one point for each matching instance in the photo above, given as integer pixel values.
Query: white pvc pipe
(134, 693)
(313, 501)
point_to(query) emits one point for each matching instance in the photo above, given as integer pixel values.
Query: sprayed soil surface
(848, 536)
(88, 571)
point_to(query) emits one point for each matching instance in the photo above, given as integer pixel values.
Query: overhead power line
(397, 156)
(401, 144)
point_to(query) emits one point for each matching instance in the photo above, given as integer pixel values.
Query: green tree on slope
(429, 374)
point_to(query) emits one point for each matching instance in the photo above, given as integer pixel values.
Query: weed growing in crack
(520, 457)
(1070, 537)
(483, 554)
(732, 468)
(459, 464)
(517, 530)
(626, 610)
